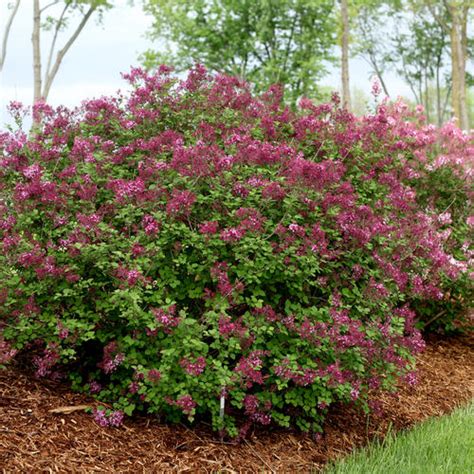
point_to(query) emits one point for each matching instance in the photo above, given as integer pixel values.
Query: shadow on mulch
(34, 440)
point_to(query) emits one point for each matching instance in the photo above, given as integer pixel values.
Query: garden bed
(32, 439)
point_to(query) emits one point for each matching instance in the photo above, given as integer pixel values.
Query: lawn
(439, 445)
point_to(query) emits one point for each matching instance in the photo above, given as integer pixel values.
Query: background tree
(452, 16)
(346, 90)
(43, 79)
(370, 37)
(6, 32)
(262, 41)
(419, 54)
(364, 12)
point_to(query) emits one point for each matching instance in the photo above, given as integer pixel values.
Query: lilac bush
(190, 246)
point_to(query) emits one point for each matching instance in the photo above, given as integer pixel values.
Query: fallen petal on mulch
(33, 439)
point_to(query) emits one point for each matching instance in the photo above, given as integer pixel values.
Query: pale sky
(93, 65)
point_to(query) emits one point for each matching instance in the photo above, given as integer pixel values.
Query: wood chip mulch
(34, 440)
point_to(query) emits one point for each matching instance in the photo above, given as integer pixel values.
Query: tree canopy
(262, 41)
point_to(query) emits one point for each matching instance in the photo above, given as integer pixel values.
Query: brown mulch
(34, 440)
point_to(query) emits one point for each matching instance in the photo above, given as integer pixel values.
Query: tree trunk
(462, 82)
(50, 75)
(463, 55)
(438, 95)
(35, 38)
(446, 101)
(420, 93)
(454, 73)
(378, 73)
(346, 93)
(458, 66)
(6, 33)
(428, 100)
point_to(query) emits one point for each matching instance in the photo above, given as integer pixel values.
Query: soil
(33, 440)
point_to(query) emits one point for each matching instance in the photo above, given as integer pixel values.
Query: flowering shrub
(444, 187)
(191, 250)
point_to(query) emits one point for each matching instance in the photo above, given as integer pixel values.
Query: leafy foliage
(264, 42)
(190, 245)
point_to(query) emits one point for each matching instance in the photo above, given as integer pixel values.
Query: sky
(103, 50)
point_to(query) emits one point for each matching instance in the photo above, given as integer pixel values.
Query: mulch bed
(34, 440)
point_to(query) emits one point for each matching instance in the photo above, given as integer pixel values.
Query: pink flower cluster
(249, 368)
(167, 318)
(185, 402)
(299, 376)
(253, 410)
(224, 285)
(195, 367)
(154, 375)
(112, 358)
(180, 202)
(150, 225)
(113, 419)
(6, 351)
(45, 363)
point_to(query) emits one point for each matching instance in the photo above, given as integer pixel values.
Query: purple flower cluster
(166, 317)
(6, 351)
(250, 368)
(195, 367)
(112, 358)
(45, 363)
(184, 402)
(112, 419)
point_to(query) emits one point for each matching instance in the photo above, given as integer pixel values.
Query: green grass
(438, 446)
